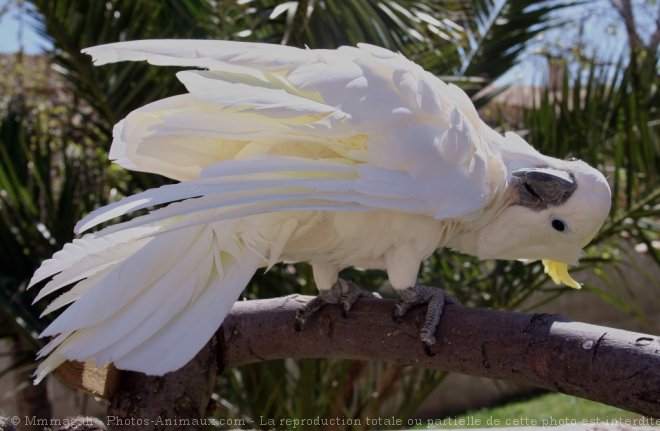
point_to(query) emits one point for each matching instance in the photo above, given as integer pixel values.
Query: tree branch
(624, 8)
(608, 365)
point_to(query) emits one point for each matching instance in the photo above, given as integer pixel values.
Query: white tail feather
(178, 283)
(77, 291)
(193, 328)
(154, 309)
(88, 265)
(89, 245)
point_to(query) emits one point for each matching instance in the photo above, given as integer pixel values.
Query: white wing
(365, 107)
(265, 129)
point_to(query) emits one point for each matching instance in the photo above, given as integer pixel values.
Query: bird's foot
(345, 293)
(436, 300)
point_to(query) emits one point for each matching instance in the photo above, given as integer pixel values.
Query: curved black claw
(344, 293)
(350, 293)
(324, 298)
(427, 350)
(299, 321)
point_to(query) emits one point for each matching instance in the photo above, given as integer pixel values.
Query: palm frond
(113, 91)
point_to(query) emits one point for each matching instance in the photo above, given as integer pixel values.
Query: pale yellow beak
(558, 271)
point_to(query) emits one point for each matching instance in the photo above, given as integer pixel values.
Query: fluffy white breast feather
(354, 156)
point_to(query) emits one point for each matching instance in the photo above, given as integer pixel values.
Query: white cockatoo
(346, 157)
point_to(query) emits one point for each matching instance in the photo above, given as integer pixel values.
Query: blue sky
(16, 28)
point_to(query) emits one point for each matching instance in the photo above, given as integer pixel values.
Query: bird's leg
(345, 293)
(420, 294)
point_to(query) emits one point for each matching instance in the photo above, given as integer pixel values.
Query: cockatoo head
(552, 209)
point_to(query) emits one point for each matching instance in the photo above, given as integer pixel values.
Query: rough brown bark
(608, 365)
(177, 400)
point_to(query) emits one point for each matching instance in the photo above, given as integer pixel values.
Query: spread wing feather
(234, 183)
(283, 99)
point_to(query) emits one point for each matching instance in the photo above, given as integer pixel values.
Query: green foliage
(549, 410)
(456, 39)
(111, 92)
(325, 388)
(47, 182)
(115, 90)
(500, 31)
(607, 116)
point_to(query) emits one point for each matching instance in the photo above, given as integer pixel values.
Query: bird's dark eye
(558, 225)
